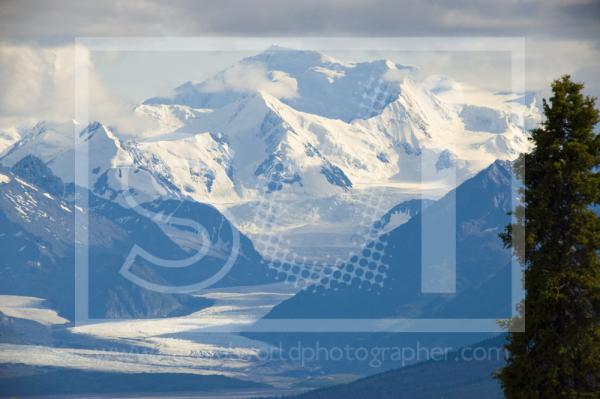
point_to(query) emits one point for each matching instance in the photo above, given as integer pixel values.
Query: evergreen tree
(557, 237)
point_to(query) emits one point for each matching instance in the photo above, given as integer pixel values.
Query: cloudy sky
(37, 41)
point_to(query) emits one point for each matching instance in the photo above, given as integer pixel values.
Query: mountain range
(294, 132)
(307, 169)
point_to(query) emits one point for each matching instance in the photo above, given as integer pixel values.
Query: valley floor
(170, 345)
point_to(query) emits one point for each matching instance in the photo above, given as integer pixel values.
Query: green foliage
(557, 237)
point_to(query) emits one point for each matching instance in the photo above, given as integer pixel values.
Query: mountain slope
(64, 381)
(401, 214)
(39, 256)
(457, 376)
(39, 248)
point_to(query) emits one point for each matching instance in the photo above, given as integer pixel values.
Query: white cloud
(34, 80)
(547, 60)
(62, 20)
(397, 75)
(38, 83)
(250, 78)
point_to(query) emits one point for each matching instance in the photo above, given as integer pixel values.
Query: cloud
(39, 80)
(62, 20)
(546, 59)
(397, 75)
(572, 24)
(38, 83)
(252, 77)
(36, 74)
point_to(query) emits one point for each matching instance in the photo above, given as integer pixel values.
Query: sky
(37, 57)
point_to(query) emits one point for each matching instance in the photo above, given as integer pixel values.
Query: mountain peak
(499, 173)
(306, 80)
(33, 170)
(307, 57)
(96, 130)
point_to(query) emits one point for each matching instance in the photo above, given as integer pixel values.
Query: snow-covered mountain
(296, 142)
(308, 81)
